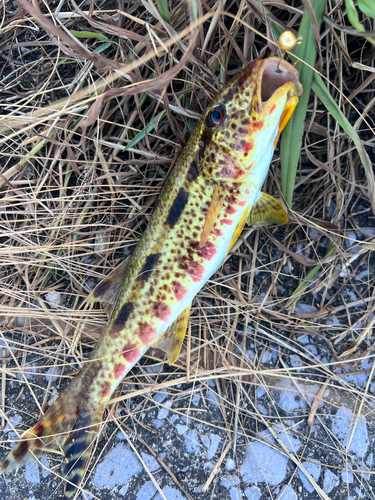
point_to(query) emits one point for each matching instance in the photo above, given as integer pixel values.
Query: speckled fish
(214, 189)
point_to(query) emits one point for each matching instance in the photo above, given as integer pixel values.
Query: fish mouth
(275, 78)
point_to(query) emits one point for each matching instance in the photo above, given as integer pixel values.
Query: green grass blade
(354, 18)
(102, 47)
(321, 91)
(352, 14)
(89, 34)
(291, 142)
(367, 7)
(163, 9)
(142, 133)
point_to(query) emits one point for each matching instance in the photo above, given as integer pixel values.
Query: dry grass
(73, 202)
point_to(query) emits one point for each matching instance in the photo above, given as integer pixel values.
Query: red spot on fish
(228, 222)
(217, 232)
(106, 389)
(146, 332)
(247, 191)
(119, 370)
(242, 203)
(131, 353)
(196, 271)
(230, 210)
(248, 147)
(208, 251)
(161, 311)
(179, 290)
(272, 109)
(257, 126)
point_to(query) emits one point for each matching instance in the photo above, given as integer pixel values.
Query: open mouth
(273, 74)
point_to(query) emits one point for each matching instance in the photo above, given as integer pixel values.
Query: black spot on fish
(122, 317)
(148, 266)
(78, 447)
(206, 138)
(192, 172)
(79, 463)
(20, 451)
(178, 207)
(229, 96)
(70, 488)
(38, 429)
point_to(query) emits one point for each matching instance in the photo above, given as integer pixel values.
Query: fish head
(239, 130)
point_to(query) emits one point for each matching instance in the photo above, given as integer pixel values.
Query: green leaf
(352, 14)
(142, 133)
(367, 7)
(89, 34)
(321, 91)
(291, 142)
(163, 9)
(193, 9)
(102, 47)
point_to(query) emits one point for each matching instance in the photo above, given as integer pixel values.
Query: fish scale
(211, 193)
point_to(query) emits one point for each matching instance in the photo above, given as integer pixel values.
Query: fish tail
(65, 428)
(77, 451)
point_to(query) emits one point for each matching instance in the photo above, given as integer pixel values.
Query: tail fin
(63, 427)
(77, 451)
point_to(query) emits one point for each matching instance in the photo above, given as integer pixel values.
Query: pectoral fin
(108, 289)
(217, 201)
(266, 211)
(171, 341)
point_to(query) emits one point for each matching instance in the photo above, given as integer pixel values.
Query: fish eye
(215, 117)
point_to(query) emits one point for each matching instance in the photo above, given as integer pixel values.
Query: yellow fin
(217, 201)
(237, 231)
(108, 289)
(266, 211)
(171, 341)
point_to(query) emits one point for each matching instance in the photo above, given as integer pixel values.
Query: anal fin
(108, 289)
(171, 341)
(266, 211)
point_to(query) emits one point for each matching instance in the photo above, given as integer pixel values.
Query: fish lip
(273, 74)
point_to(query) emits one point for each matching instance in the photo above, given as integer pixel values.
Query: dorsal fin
(171, 341)
(108, 289)
(266, 211)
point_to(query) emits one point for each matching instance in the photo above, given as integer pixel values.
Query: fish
(212, 192)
